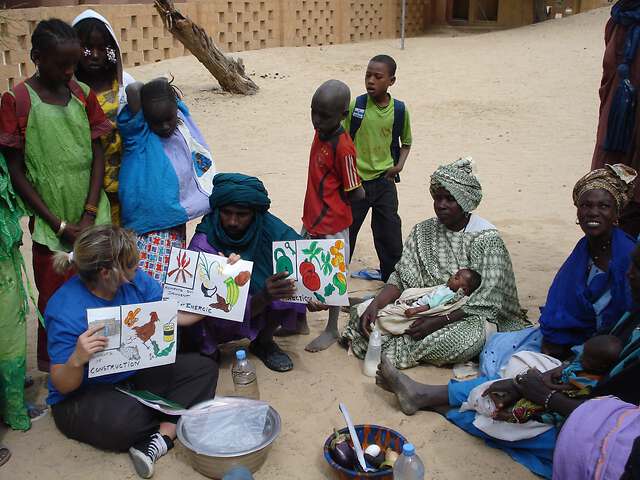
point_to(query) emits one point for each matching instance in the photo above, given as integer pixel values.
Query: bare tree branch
(228, 71)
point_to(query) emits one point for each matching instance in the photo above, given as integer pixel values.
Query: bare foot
(302, 329)
(324, 341)
(411, 395)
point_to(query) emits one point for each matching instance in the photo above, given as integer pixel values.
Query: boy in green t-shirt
(381, 132)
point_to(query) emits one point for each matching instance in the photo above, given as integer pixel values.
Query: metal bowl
(215, 464)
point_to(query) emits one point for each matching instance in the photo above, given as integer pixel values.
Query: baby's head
(466, 279)
(601, 353)
(329, 106)
(160, 106)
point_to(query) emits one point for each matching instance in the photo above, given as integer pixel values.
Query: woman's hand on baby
(533, 387)
(89, 343)
(503, 393)
(232, 259)
(421, 328)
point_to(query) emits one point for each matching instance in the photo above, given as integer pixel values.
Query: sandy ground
(522, 102)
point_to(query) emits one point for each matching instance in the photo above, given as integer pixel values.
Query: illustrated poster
(318, 268)
(206, 284)
(139, 336)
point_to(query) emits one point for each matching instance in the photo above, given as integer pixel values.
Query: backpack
(398, 125)
(23, 102)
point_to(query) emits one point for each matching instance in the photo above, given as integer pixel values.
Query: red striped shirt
(332, 173)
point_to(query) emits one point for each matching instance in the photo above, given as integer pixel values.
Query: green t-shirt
(373, 139)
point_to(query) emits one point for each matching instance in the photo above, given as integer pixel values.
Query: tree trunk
(228, 71)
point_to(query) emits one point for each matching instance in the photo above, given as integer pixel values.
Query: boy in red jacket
(333, 182)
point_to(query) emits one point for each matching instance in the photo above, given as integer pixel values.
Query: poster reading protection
(318, 268)
(206, 284)
(138, 336)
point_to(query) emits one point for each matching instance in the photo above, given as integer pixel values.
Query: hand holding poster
(207, 284)
(139, 336)
(318, 268)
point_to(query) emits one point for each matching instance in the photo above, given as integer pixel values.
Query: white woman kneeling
(91, 410)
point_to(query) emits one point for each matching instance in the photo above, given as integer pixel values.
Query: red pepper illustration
(310, 278)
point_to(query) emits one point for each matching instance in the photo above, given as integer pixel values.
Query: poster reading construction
(139, 336)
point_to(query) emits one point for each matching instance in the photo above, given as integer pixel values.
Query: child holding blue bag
(167, 171)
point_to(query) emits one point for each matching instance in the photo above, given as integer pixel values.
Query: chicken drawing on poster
(208, 284)
(138, 336)
(318, 268)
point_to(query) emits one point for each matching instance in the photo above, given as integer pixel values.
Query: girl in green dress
(50, 128)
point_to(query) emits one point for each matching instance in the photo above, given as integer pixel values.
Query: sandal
(5, 455)
(367, 274)
(271, 355)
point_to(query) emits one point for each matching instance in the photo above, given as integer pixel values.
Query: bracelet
(91, 209)
(518, 378)
(61, 228)
(548, 399)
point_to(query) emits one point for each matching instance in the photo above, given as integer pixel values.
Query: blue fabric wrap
(568, 318)
(257, 242)
(621, 121)
(149, 189)
(534, 453)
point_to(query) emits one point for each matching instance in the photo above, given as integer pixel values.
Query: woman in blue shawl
(240, 223)
(590, 291)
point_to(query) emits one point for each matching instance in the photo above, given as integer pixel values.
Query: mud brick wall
(235, 25)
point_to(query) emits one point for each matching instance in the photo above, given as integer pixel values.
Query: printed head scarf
(459, 180)
(616, 179)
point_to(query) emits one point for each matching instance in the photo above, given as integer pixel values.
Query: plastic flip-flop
(367, 274)
(5, 455)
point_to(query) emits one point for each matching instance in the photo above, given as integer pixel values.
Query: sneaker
(147, 452)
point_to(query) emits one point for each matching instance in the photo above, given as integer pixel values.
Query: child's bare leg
(330, 334)
(411, 395)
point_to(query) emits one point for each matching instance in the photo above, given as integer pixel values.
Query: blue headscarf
(256, 243)
(621, 121)
(568, 318)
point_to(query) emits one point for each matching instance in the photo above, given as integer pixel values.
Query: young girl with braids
(50, 128)
(166, 175)
(101, 68)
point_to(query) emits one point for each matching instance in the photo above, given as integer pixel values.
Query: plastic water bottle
(408, 466)
(245, 381)
(374, 351)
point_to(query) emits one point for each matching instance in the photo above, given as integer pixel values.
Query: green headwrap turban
(256, 243)
(458, 179)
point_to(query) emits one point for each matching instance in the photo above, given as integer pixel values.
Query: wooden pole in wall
(403, 14)
(228, 71)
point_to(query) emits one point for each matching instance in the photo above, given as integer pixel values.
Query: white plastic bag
(230, 428)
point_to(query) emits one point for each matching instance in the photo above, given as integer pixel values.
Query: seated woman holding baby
(436, 254)
(515, 407)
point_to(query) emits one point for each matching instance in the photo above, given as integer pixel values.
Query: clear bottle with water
(374, 351)
(408, 466)
(245, 381)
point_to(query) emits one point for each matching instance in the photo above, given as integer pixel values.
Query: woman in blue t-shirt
(91, 410)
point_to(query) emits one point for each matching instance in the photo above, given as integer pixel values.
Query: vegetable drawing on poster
(138, 336)
(207, 284)
(318, 268)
